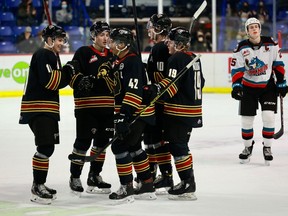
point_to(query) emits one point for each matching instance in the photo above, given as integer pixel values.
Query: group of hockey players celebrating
(113, 91)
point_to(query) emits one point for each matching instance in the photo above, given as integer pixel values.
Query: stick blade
(200, 9)
(278, 134)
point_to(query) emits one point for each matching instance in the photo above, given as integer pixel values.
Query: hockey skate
(76, 186)
(246, 154)
(145, 190)
(96, 185)
(40, 194)
(267, 155)
(51, 191)
(163, 183)
(183, 191)
(124, 194)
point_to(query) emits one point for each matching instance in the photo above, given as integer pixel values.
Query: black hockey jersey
(93, 62)
(157, 62)
(41, 91)
(185, 95)
(129, 78)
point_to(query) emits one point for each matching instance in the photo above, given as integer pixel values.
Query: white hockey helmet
(250, 21)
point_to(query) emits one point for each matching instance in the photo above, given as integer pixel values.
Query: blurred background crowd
(23, 20)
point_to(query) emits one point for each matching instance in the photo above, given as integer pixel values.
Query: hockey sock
(40, 164)
(141, 164)
(97, 165)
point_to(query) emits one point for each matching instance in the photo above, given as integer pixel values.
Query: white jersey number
(172, 73)
(133, 83)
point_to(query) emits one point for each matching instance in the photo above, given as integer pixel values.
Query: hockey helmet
(160, 23)
(99, 27)
(53, 31)
(179, 34)
(123, 35)
(250, 21)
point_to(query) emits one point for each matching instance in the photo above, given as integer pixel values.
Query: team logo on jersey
(104, 69)
(246, 53)
(93, 59)
(255, 67)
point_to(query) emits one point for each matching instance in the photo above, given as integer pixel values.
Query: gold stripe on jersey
(54, 81)
(183, 110)
(94, 102)
(40, 106)
(132, 100)
(72, 81)
(172, 90)
(158, 76)
(148, 112)
(110, 83)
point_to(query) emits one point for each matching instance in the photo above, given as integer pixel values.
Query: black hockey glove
(121, 125)
(237, 91)
(282, 88)
(151, 91)
(85, 85)
(104, 70)
(72, 67)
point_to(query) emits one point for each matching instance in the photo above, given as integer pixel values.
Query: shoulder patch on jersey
(93, 59)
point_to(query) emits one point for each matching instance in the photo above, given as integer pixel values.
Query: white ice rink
(224, 186)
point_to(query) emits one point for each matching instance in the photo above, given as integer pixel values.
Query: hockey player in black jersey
(94, 108)
(156, 148)
(129, 78)
(40, 105)
(182, 109)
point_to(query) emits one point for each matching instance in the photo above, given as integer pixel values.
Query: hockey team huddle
(114, 96)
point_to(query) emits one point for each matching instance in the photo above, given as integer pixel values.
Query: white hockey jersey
(253, 65)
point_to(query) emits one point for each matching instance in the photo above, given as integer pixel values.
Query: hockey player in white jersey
(258, 77)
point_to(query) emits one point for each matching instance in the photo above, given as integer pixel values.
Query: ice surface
(224, 186)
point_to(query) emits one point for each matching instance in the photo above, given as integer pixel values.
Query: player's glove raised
(237, 91)
(282, 88)
(72, 67)
(121, 125)
(85, 85)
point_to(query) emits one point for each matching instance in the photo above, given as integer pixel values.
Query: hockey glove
(282, 88)
(104, 70)
(85, 85)
(72, 67)
(237, 91)
(121, 125)
(150, 92)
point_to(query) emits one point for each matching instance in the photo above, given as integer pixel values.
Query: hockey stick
(136, 27)
(281, 130)
(196, 14)
(47, 13)
(178, 76)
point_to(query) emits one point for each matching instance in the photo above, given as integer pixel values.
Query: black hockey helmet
(122, 35)
(99, 27)
(160, 23)
(179, 34)
(53, 31)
